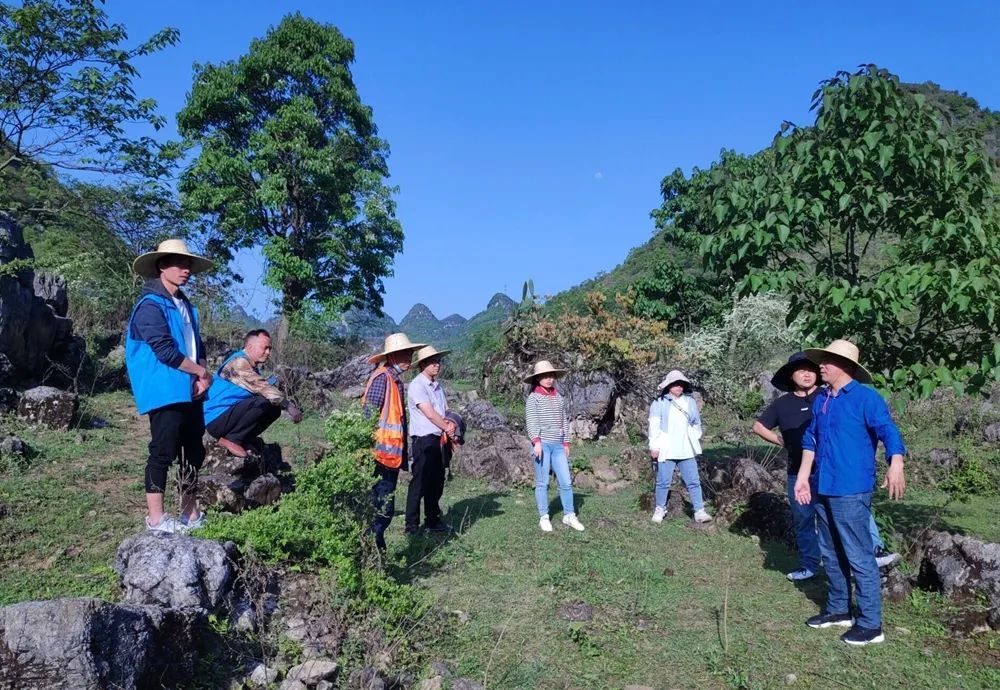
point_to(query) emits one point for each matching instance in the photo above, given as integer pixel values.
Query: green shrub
(971, 478)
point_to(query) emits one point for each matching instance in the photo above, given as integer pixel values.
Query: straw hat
(397, 342)
(145, 265)
(673, 377)
(544, 367)
(844, 349)
(427, 352)
(782, 379)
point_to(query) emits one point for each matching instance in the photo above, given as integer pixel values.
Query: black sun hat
(782, 379)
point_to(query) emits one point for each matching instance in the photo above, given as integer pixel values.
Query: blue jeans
(553, 460)
(845, 540)
(689, 473)
(804, 521)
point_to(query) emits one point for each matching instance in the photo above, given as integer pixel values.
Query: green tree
(290, 161)
(880, 225)
(66, 91)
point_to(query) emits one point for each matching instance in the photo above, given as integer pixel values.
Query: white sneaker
(187, 524)
(570, 520)
(702, 516)
(167, 525)
(545, 523)
(659, 513)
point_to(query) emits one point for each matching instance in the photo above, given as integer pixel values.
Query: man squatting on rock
(242, 404)
(165, 360)
(848, 421)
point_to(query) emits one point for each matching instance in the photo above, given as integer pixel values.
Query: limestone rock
(768, 516)
(91, 644)
(501, 456)
(896, 585)
(591, 403)
(48, 407)
(964, 569)
(585, 481)
(13, 447)
(264, 490)
(175, 571)
(312, 671)
(221, 491)
(992, 432)
(482, 415)
(8, 396)
(466, 684)
(578, 611)
(604, 471)
(261, 675)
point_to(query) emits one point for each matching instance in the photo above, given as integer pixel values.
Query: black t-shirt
(791, 414)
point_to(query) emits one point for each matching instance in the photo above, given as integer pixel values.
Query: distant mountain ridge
(421, 325)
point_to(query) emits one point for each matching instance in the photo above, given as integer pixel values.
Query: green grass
(673, 607)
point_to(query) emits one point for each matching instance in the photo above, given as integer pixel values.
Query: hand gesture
(199, 388)
(536, 450)
(450, 428)
(803, 494)
(895, 481)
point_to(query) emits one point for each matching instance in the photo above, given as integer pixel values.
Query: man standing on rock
(241, 404)
(431, 428)
(384, 393)
(791, 414)
(848, 421)
(165, 359)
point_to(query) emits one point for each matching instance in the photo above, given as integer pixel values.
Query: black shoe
(438, 527)
(884, 558)
(859, 636)
(828, 620)
(411, 531)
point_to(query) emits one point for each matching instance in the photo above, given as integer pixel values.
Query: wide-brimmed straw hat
(145, 265)
(397, 342)
(782, 379)
(544, 367)
(673, 377)
(427, 352)
(843, 349)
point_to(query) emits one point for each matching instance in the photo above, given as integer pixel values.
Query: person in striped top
(548, 429)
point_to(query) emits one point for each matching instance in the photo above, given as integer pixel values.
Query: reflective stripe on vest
(388, 434)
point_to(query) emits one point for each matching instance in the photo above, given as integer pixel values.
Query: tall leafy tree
(879, 223)
(66, 90)
(290, 161)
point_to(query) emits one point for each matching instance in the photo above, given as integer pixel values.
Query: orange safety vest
(388, 434)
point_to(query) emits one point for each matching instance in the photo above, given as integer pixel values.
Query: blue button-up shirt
(844, 433)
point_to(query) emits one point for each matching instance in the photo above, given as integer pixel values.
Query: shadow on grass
(420, 550)
(779, 558)
(555, 504)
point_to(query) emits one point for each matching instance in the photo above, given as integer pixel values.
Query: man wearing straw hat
(165, 360)
(848, 421)
(431, 428)
(384, 394)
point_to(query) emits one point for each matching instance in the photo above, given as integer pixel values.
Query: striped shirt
(545, 418)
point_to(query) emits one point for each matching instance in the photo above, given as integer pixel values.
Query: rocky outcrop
(743, 480)
(591, 403)
(483, 416)
(768, 516)
(232, 484)
(36, 337)
(175, 571)
(48, 407)
(83, 644)
(967, 571)
(500, 456)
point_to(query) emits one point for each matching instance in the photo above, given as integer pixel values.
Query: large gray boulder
(175, 571)
(352, 373)
(501, 456)
(34, 329)
(84, 644)
(964, 569)
(591, 403)
(48, 407)
(482, 415)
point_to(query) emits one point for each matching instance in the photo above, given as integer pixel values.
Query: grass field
(669, 606)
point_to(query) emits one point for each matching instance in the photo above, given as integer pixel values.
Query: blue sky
(529, 138)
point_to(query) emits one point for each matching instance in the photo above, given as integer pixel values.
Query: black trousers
(245, 420)
(176, 432)
(426, 482)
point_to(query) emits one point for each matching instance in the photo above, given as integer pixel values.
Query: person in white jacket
(675, 441)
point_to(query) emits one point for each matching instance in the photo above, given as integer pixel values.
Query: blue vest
(223, 394)
(155, 384)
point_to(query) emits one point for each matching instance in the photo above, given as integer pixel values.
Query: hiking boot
(885, 558)
(800, 574)
(859, 636)
(570, 520)
(545, 524)
(829, 620)
(702, 516)
(187, 524)
(167, 525)
(659, 513)
(233, 448)
(438, 527)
